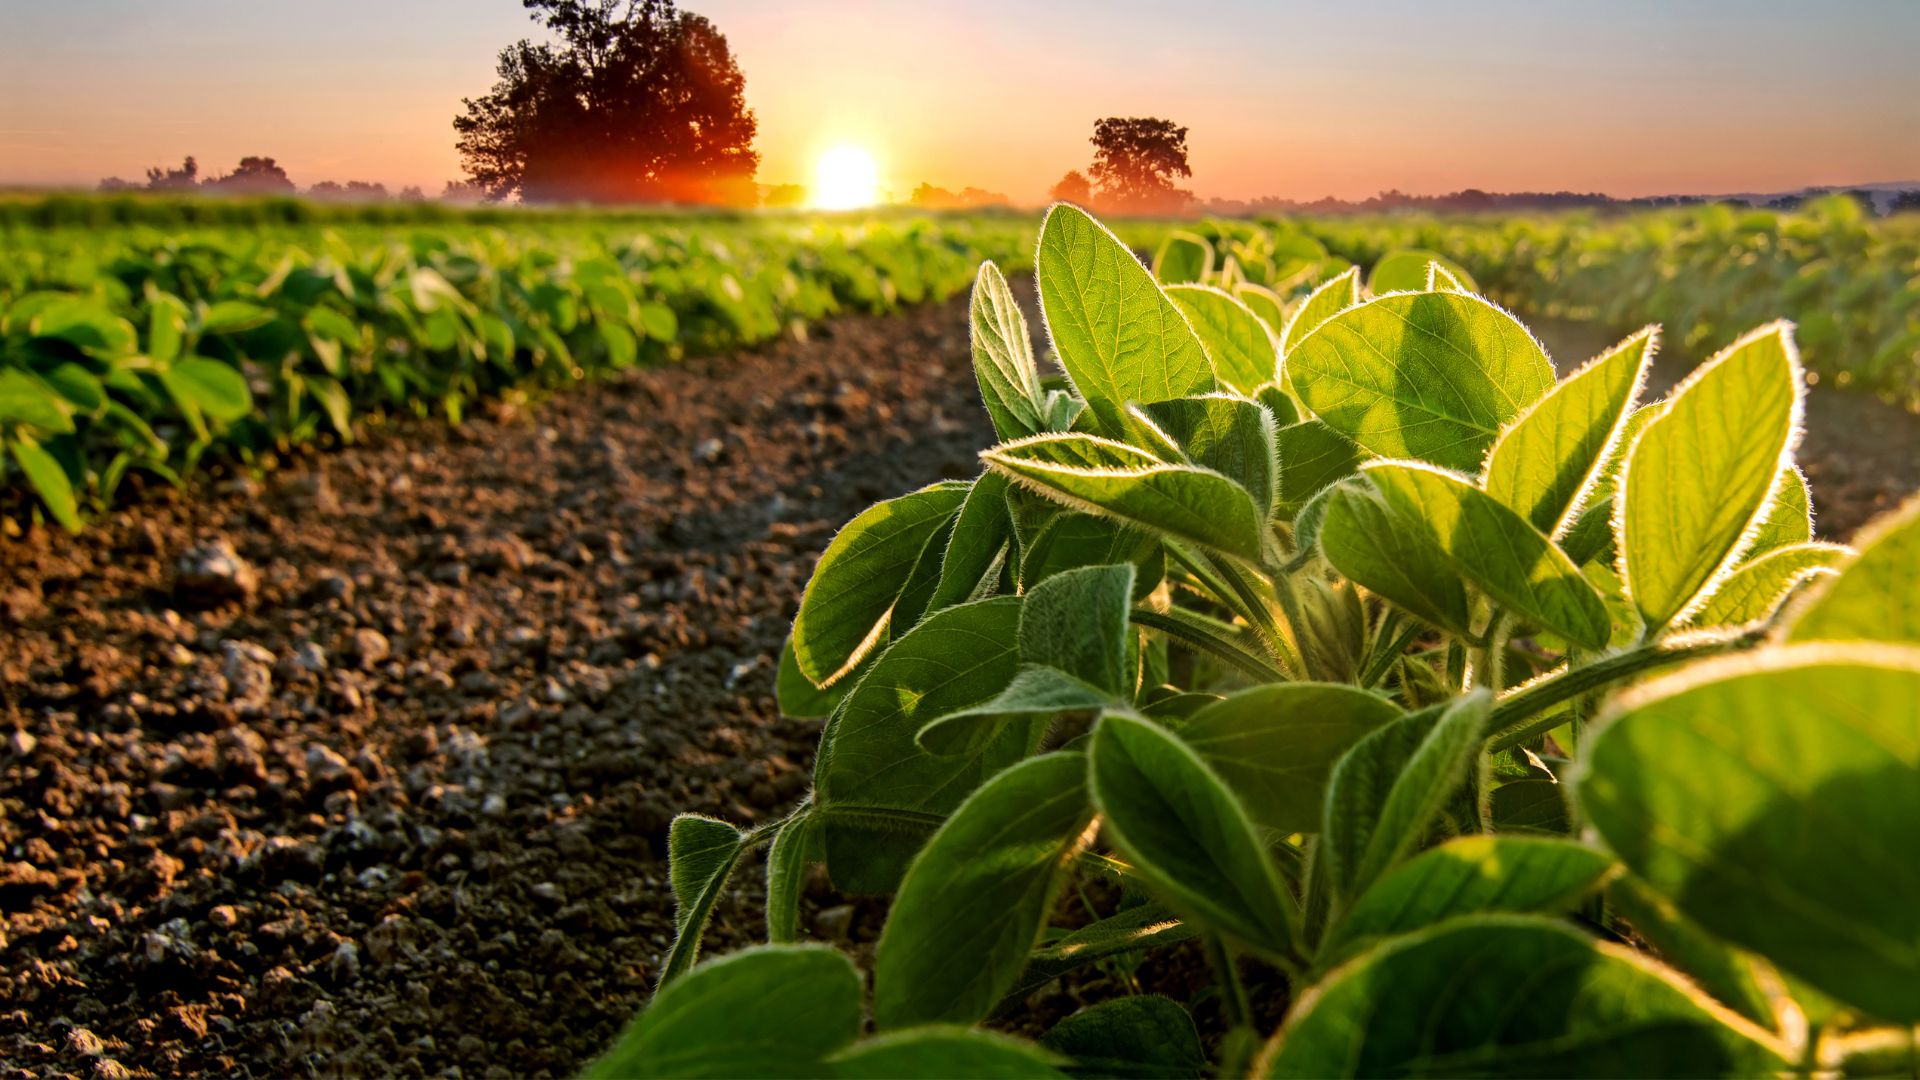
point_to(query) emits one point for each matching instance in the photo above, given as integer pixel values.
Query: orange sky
(1290, 99)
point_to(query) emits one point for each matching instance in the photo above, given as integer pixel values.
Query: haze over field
(1294, 100)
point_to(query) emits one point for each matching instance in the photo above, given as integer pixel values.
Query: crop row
(1465, 718)
(1851, 284)
(130, 349)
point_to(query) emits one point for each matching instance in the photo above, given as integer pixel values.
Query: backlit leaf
(1877, 595)
(1003, 358)
(1243, 349)
(1378, 548)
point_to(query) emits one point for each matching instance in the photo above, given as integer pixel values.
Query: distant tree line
(264, 176)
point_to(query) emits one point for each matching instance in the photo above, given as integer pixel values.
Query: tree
(254, 175)
(1135, 160)
(1906, 202)
(186, 176)
(1073, 188)
(635, 102)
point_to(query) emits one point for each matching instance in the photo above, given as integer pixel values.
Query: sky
(1295, 99)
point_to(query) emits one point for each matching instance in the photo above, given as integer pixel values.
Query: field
(518, 643)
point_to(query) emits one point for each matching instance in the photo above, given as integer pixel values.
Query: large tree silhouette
(1135, 160)
(634, 102)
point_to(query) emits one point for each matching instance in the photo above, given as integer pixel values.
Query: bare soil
(388, 793)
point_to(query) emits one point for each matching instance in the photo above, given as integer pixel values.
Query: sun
(845, 178)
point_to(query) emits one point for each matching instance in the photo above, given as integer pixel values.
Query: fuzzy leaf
(1378, 548)
(1139, 1036)
(1243, 350)
(1232, 436)
(1329, 298)
(1003, 358)
(1313, 457)
(1756, 589)
(1788, 520)
(1700, 475)
(1077, 622)
(1116, 333)
(1433, 376)
(1877, 595)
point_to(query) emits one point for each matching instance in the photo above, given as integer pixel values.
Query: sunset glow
(845, 178)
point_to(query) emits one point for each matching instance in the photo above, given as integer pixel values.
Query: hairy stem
(1522, 715)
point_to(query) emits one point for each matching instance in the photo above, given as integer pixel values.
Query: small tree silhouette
(1073, 188)
(187, 176)
(254, 175)
(1135, 160)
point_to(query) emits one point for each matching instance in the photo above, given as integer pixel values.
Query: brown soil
(402, 809)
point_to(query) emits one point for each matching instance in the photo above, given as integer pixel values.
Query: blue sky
(1283, 98)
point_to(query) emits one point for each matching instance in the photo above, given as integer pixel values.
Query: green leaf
(1313, 457)
(1508, 996)
(1133, 930)
(1276, 745)
(1243, 350)
(1036, 690)
(1385, 793)
(214, 388)
(1264, 303)
(1408, 271)
(879, 795)
(1548, 459)
(1788, 520)
(1077, 622)
(1756, 589)
(1329, 298)
(1230, 435)
(1185, 834)
(1701, 474)
(1101, 476)
(1495, 547)
(166, 326)
(843, 613)
(28, 401)
(979, 545)
(659, 322)
(701, 855)
(976, 898)
(1531, 806)
(233, 317)
(1116, 333)
(1467, 876)
(1730, 975)
(1183, 257)
(1071, 539)
(1433, 376)
(1775, 799)
(1379, 549)
(942, 1050)
(776, 1010)
(798, 698)
(794, 851)
(1003, 358)
(49, 481)
(1285, 410)
(1877, 595)
(77, 385)
(1141, 1036)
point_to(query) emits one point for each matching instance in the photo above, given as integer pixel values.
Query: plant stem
(1233, 995)
(1518, 717)
(1382, 660)
(1489, 657)
(1260, 669)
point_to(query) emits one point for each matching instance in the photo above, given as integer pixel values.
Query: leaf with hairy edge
(1469, 875)
(1701, 475)
(701, 855)
(1386, 792)
(794, 851)
(1788, 520)
(981, 534)
(775, 1010)
(1276, 745)
(1243, 350)
(1003, 358)
(1071, 539)
(1877, 595)
(1183, 257)
(1076, 621)
(844, 609)
(49, 481)
(1036, 690)
(1509, 996)
(1232, 436)
(1731, 975)
(1101, 476)
(1433, 376)
(877, 793)
(799, 698)
(1755, 590)
(1187, 837)
(1140, 1036)
(1116, 333)
(977, 896)
(1377, 548)
(943, 1050)
(1495, 547)
(1547, 460)
(1285, 410)
(1329, 298)
(1792, 827)
(1313, 457)
(1266, 304)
